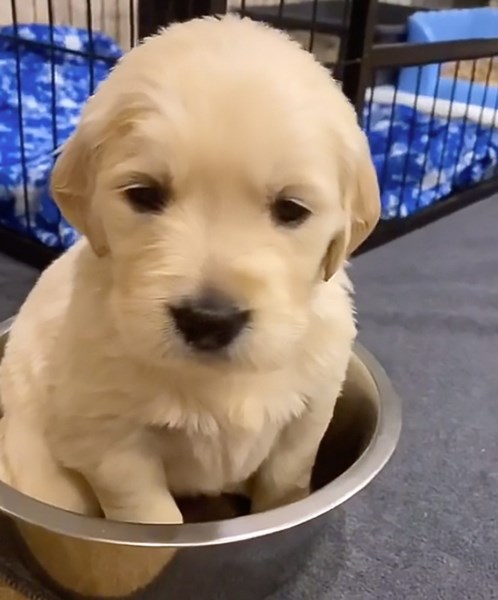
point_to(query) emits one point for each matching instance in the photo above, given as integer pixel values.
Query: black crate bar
(357, 68)
(412, 55)
(153, 14)
(387, 231)
(26, 249)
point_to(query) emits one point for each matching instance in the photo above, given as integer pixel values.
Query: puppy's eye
(147, 198)
(289, 212)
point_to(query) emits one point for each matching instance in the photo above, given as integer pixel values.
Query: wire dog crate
(433, 153)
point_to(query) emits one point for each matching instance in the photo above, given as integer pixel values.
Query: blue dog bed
(37, 215)
(421, 158)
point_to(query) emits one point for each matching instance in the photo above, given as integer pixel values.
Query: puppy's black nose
(210, 322)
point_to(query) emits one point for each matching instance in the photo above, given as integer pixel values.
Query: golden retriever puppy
(197, 337)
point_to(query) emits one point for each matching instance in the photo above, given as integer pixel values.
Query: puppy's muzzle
(209, 322)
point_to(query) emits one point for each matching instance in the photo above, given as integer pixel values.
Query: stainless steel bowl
(244, 558)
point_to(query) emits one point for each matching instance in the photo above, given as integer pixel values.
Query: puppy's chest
(212, 463)
(208, 449)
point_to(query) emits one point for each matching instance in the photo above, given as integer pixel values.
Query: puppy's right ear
(72, 187)
(361, 203)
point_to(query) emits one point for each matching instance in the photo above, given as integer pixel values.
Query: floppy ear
(361, 202)
(72, 187)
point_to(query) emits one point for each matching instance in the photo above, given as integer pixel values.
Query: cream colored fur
(104, 404)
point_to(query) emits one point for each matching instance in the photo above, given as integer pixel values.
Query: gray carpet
(426, 528)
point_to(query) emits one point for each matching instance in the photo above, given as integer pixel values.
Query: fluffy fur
(105, 405)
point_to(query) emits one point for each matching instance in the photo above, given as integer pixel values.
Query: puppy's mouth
(212, 356)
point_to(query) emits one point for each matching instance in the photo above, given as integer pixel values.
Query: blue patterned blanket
(420, 158)
(423, 161)
(25, 204)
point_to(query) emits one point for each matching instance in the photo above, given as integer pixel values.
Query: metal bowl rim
(379, 450)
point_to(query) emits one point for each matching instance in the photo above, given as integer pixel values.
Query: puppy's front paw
(154, 510)
(264, 499)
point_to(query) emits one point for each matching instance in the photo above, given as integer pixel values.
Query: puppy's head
(223, 175)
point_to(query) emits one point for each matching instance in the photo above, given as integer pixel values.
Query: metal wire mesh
(116, 18)
(428, 148)
(37, 39)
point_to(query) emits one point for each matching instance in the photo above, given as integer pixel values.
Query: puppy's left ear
(72, 186)
(361, 203)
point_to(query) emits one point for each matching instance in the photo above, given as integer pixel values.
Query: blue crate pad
(443, 26)
(36, 214)
(421, 157)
